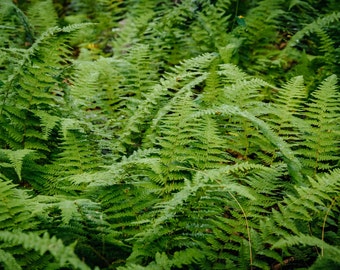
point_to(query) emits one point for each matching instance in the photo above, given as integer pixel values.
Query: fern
(320, 131)
(126, 196)
(150, 107)
(170, 134)
(202, 232)
(298, 211)
(284, 116)
(20, 128)
(292, 162)
(324, 55)
(291, 98)
(41, 16)
(15, 207)
(105, 14)
(76, 156)
(63, 255)
(320, 22)
(210, 24)
(13, 19)
(330, 251)
(20, 211)
(76, 219)
(15, 159)
(262, 22)
(8, 261)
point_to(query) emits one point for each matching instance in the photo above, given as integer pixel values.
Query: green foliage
(169, 134)
(321, 117)
(21, 246)
(42, 16)
(63, 255)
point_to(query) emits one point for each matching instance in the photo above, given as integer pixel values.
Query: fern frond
(331, 252)
(212, 91)
(64, 255)
(149, 112)
(141, 76)
(293, 163)
(291, 97)
(12, 15)
(311, 204)
(286, 113)
(207, 32)
(77, 155)
(322, 22)
(130, 30)
(158, 227)
(246, 94)
(320, 133)
(77, 219)
(15, 207)
(124, 193)
(262, 23)
(34, 79)
(177, 143)
(210, 215)
(16, 159)
(322, 56)
(8, 261)
(168, 153)
(327, 45)
(42, 16)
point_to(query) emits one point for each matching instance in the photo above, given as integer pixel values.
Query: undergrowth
(169, 134)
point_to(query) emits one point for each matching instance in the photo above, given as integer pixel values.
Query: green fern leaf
(320, 134)
(42, 16)
(293, 163)
(329, 251)
(63, 254)
(16, 159)
(8, 261)
(322, 22)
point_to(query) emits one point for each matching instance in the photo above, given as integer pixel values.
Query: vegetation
(159, 134)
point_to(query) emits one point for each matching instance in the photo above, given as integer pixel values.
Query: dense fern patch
(169, 134)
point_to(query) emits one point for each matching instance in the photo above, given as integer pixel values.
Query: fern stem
(248, 230)
(324, 221)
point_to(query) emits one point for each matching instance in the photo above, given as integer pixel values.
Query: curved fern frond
(64, 255)
(315, 203)
(27, 97)
(8, 261)
(322, 22)
(294, 166)
(331, 252)
(323, 56)
(218, 205)
(150, 111)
